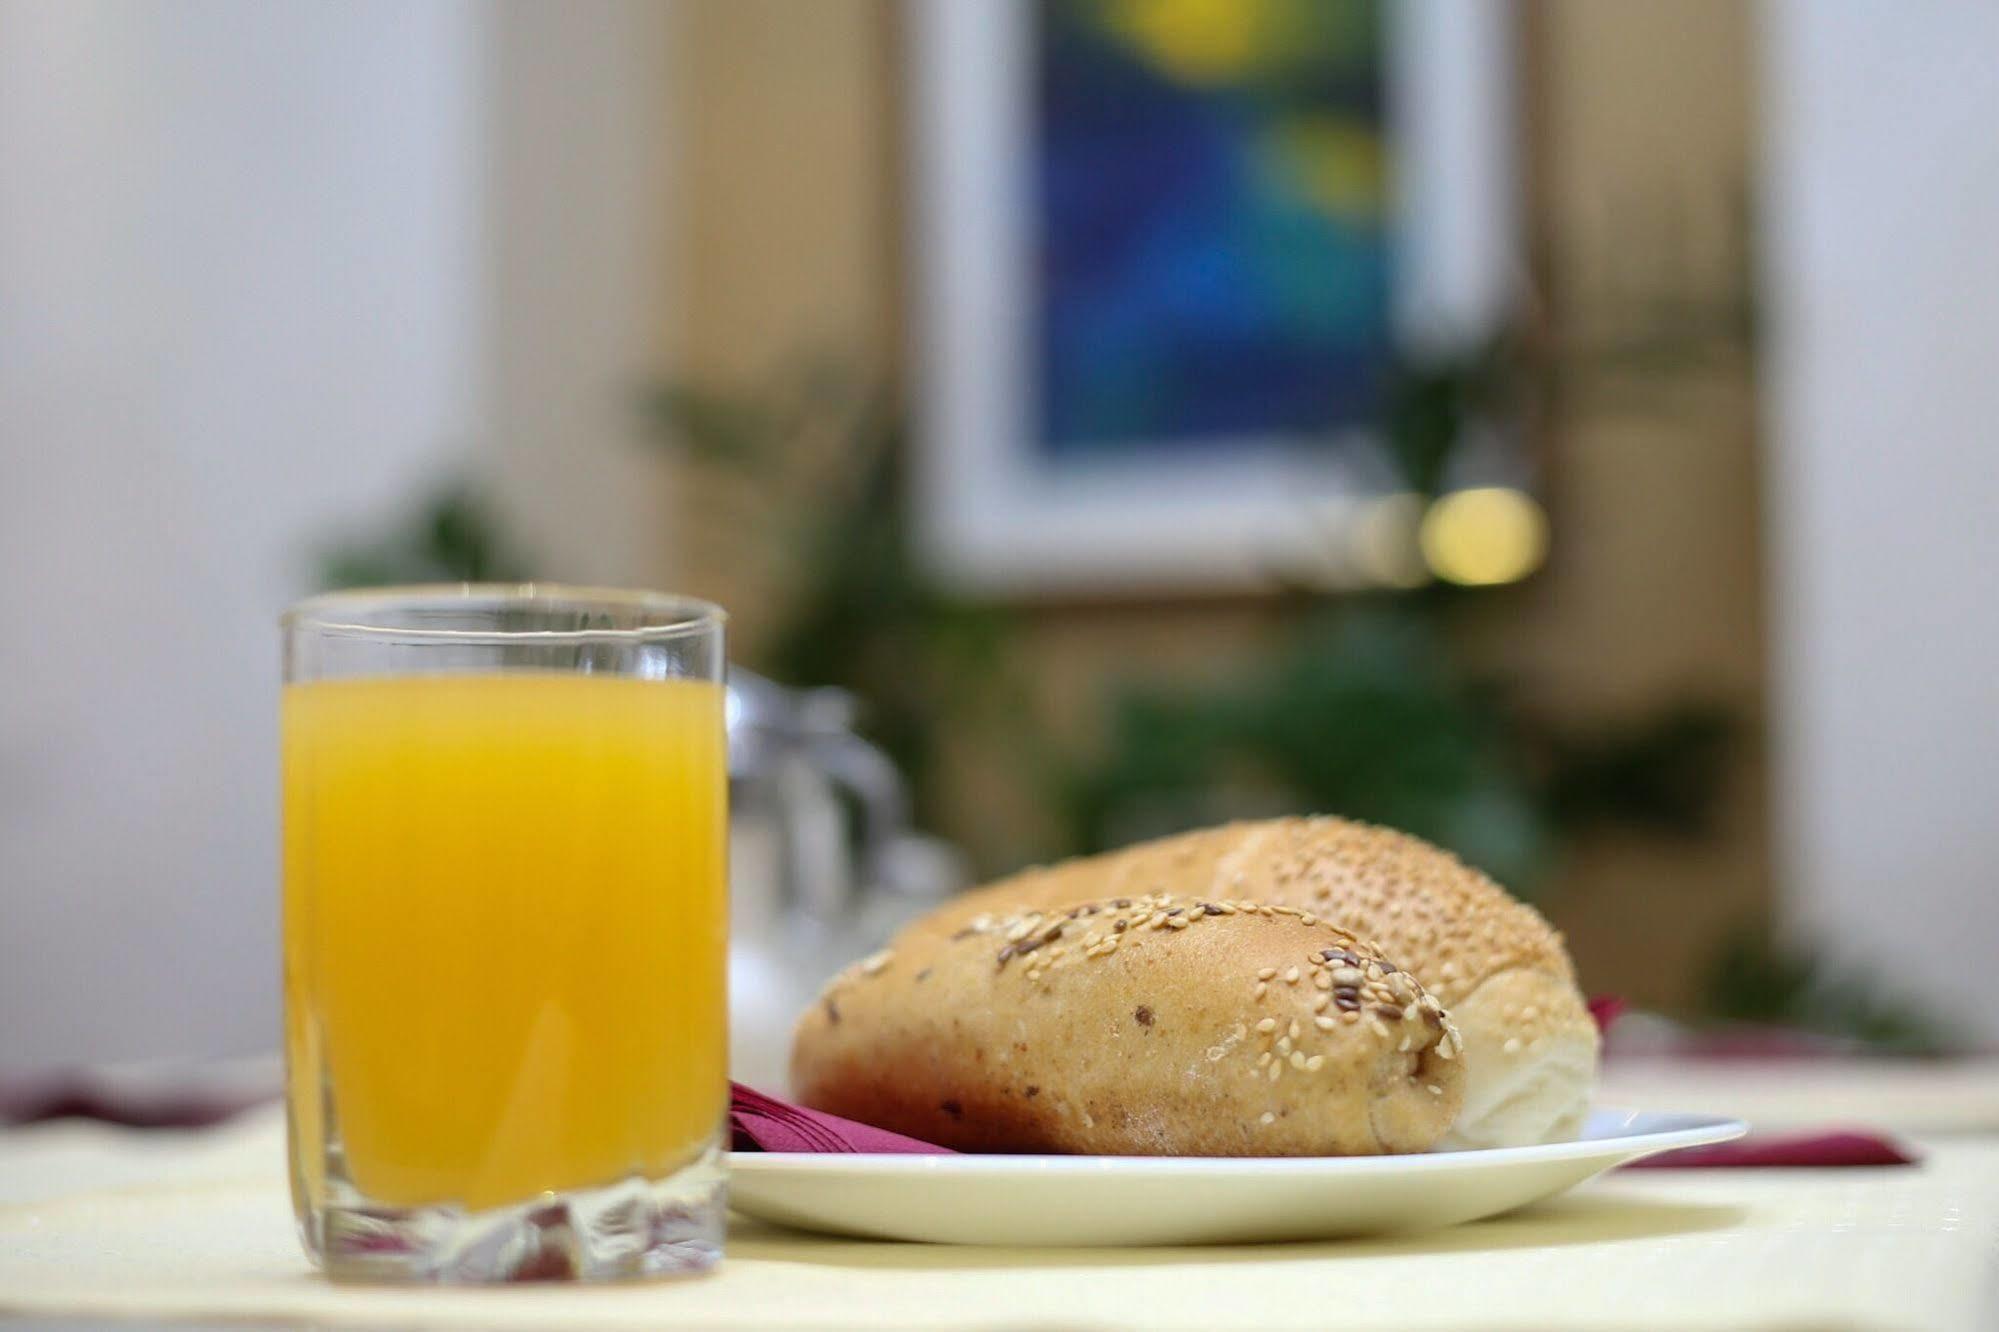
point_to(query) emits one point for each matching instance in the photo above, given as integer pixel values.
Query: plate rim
(1707, 1129)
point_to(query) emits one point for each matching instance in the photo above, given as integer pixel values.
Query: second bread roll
(1146, 1025)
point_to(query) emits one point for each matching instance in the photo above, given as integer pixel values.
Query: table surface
(98, 1222)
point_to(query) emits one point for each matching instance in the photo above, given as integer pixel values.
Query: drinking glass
(505, 932)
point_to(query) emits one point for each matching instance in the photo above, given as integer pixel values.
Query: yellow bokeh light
(1483, 537)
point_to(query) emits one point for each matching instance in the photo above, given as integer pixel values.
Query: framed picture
(1165, 250)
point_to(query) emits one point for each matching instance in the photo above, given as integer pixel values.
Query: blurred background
(1563, 430)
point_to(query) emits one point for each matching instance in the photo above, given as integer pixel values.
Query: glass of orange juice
(505, 932)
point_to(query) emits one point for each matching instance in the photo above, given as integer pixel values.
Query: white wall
(579, 279)
(239, 251)
(1882, 211)
(252, 291)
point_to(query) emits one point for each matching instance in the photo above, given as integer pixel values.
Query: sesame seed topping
(1433, 1089)
(1276, 1071)
(1512, 1045)
(1267, 1118)
(1266, 973)
(1267, 1025)
(1291, 976)
(875, 963)
(1315, 1063)
(1323, 1022)
(1297, 1059)
(1262, 989)
(1294, 1029)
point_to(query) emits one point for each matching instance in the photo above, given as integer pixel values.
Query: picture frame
(996, 517)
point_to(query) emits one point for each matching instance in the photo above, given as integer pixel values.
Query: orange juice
(505, 921)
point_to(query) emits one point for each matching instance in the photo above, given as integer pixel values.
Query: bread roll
(1492, 962)
(1151, 1025)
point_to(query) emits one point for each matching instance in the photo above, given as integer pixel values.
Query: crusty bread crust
(1490, 960)
(1143, 1025)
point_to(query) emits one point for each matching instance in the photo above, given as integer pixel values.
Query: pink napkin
(763, 1123)
(760, 1123)
(1606, 1009)
(1838, 1147)
(1808, 1150)
(160, 1098)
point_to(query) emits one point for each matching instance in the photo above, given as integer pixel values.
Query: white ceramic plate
(1065, 1200)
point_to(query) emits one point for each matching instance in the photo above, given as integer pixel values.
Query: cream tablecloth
(97, 1222)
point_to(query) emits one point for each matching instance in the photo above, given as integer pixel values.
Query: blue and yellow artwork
(1210, 222)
